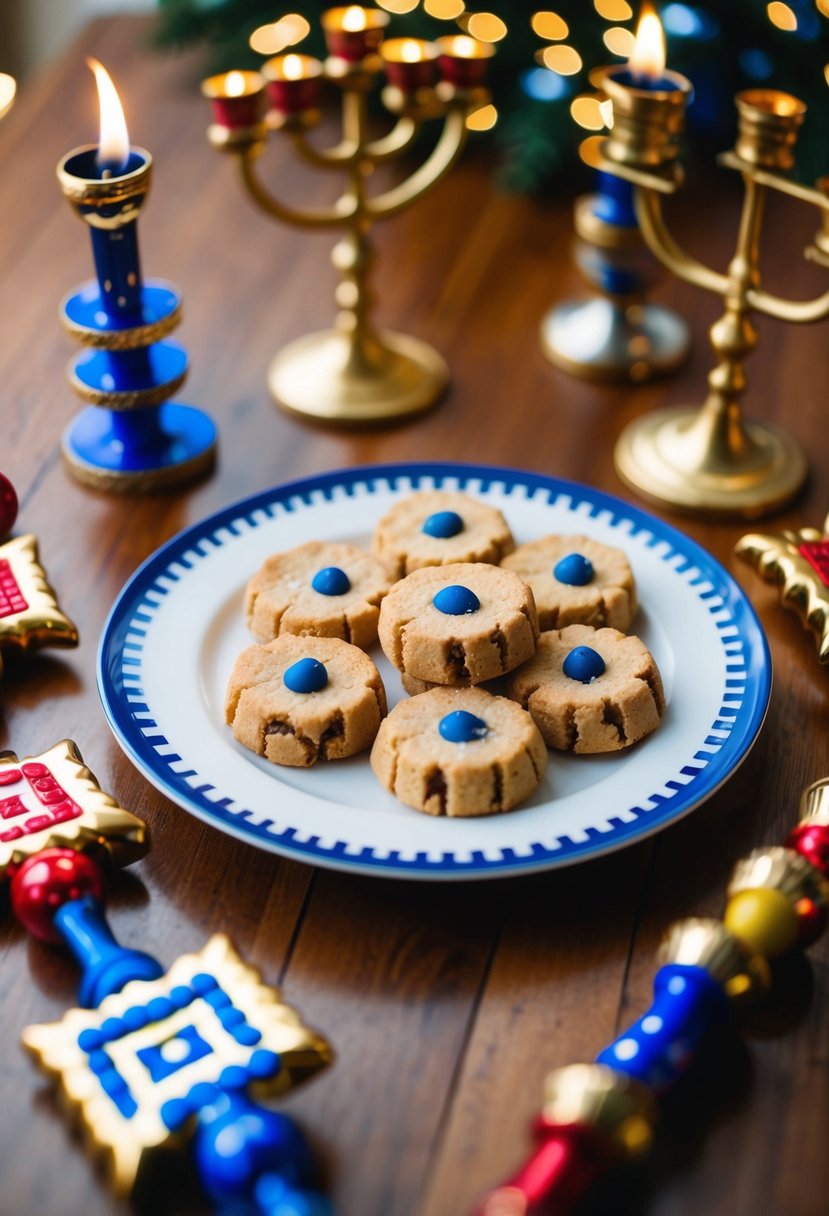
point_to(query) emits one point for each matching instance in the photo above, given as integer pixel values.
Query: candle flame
(354, 18)
(410, 51)
(464, 47)
(648, 55)
(292, 67)
(114, 139)
(8, 88)
(235, 84)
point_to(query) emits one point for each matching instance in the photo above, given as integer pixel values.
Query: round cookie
(299, 700)
(458, 624)
(318, 589)
(590, 690)
(438, 527)
(459, 752)
(577, 581)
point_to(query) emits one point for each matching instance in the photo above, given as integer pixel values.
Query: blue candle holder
(618, 335)
(133, 438)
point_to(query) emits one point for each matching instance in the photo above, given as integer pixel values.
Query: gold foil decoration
(799, 562)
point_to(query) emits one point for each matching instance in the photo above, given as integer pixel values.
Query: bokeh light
(619, 41)
(563, 59)
(613, 10)
(550, 26)
(587, 113)
(482, 119)
(781, 15)
(486, 27)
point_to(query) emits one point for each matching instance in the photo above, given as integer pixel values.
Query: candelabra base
(138, 451)
(320, 377)
(667, 457)
(605, 340)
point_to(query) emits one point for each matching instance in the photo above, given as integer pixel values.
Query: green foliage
(735, 46)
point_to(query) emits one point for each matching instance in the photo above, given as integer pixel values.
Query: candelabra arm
(443, 157)
(398, 140)
(313, 217)
(340, 155)
(800, 311)
(665, 248)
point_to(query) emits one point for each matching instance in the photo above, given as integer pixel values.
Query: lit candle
(292, 82)
(409, 63)
(236, 97)
(132, 437)
(463, 60)
(353, 32)
(644, 73)
(107, 183)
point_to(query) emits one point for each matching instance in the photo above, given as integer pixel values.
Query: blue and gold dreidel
(132, 437)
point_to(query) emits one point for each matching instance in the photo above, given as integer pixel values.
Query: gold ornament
(800, 562)
(53, 801)
(139, 1067)
(30, 616)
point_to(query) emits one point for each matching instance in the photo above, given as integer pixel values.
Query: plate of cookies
(434, 671)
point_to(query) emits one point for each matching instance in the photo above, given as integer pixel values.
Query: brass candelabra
(711, 460)
(354, 373)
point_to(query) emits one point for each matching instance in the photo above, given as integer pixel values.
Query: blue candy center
(456, 601)
(331, 580)
(462, 727)
(583, 664)
(575, 570)
(306, 675)
(443, 524)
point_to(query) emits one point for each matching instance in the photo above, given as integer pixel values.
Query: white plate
(176, 628)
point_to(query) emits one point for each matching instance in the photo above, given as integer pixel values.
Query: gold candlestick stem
(711, 461)
(355, 373)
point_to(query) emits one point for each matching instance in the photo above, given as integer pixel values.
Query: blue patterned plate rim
(732, 735)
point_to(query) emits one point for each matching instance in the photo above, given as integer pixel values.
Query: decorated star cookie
(54, 800)
(141, 1068)
(800, 562)
(30, 616)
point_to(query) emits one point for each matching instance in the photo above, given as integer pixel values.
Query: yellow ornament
(764, 919)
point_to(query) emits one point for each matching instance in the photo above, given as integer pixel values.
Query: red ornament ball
(48, 880)
(8, 506)
(811, 840)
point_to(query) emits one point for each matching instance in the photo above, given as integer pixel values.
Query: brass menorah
(354, 373)
(710, 460)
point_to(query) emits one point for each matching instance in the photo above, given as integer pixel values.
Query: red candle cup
(236, 97)
(292, 82)
(463, 60)
(353, 32)
(409, 63)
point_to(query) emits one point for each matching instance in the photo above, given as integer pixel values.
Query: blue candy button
(308, 675)
(575, 570)
(331, 580)
(443, 524)
(584, 664)
(456, 601)
(462, 727)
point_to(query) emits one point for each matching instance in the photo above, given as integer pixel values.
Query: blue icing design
(331, 580)
(456, 601)
(163, 1059)
(443, 524)
(575, 570)
(583, 664)
(462, 727)
(307, 675)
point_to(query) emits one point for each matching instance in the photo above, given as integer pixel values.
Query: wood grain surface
(446, 1004)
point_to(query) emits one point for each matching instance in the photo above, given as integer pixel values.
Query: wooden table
(446, 1004)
